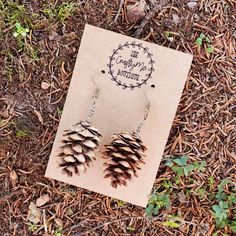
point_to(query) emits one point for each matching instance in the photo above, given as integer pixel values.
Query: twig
(119, 10)
(117, 220)
(162, 216)
(147, 18)
(76, 225)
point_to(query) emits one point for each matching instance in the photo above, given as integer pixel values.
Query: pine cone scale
(77, 148)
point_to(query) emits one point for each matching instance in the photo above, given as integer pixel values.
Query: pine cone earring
(80, 142)
(125, 154)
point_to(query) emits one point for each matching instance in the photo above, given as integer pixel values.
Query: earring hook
(148, 103)
(95, 96)
(147, 109)
(97, 91)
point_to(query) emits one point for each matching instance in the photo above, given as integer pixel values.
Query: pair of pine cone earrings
(123, 155)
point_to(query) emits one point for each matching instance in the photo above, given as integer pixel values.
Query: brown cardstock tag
(131, 67)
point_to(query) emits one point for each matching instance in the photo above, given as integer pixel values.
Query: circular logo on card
(131, 65)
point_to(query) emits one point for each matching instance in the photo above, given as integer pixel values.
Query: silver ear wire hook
(148, 103)
(147, 109)
(97, 91)
(95, 96)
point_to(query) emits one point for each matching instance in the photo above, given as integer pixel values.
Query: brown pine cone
(79, 144)
(124, 155)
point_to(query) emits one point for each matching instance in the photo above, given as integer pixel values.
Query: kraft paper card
(131, 66)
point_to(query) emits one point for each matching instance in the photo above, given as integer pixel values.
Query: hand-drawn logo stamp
(131, 65)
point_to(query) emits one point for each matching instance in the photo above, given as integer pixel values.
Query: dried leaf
(175, 18)
(42, 200)
(58, 222)
(45, 85)
(14, 178)
(182, 197)
(4, 114)
(34, 213)
(53, 35)
(39, 116)
(192, 4)
(136, 12)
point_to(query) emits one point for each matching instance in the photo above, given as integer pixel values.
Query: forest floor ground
(39, 41)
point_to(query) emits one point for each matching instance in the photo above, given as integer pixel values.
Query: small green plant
(157, 202)
(173, 221)
(20, 30)
(221, 195)
(9, 64)
(210, 49)
(119, 203)
(49, 12)
(33, 53)
(59, 111)
(169, 35)
(220, 213)
(171, 224)
(65, 10)
(58, 232)
(211, 181)
(201, 39)
(62, 12)
(226, 203)
(233, 226)
(70, 212)
(181, 167)
(33, 227)
(167, 184)
(201, 192)
(21, 134)
(130, 229)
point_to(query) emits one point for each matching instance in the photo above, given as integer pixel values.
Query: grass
(14, 15)
(61, 12)
(12, 12)
(21, 134)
